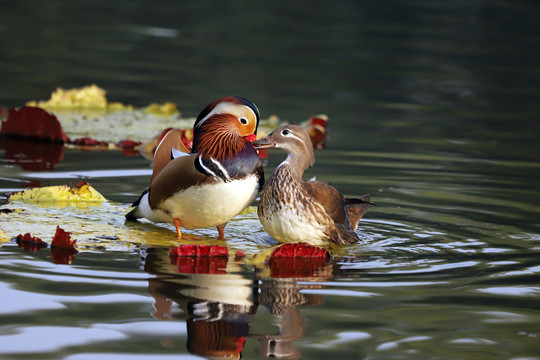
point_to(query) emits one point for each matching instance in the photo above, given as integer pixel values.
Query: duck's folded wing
(179, 174)
(169, 148)
(329, 198)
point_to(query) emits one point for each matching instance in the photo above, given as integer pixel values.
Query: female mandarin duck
(213, 182)
(292, 210)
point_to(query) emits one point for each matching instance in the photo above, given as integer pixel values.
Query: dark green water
(433, 110)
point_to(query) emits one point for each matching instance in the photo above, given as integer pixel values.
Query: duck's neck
(292, 167)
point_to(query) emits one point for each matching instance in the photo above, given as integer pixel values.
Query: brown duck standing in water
(292, 210)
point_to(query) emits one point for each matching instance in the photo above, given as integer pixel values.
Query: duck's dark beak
(264, 143)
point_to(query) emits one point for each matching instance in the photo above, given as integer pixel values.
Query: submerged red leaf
(200, 259)
(33, 122)
(30, 243)
(297, 260)
(200, 251)
(300, 250)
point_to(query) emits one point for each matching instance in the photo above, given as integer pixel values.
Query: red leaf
(82, 183)
(129, 147)
(200, 251)
(128, 144)
(33, 122)
(300, 250)
(30, 243)
(63, 247)
(62, 239)
(297, 260)
(200, 259)
(87, 141)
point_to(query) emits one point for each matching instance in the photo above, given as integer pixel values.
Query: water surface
(433, 110)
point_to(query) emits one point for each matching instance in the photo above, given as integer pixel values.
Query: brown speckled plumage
(292, 210)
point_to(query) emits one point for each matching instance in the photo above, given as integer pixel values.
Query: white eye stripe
(294, 137)
(251, 110)
(224, 108)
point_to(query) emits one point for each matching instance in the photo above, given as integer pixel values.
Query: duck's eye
(243, 120)
(286, 132)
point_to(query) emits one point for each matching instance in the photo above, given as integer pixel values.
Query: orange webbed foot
(221, 231)
(177, 223)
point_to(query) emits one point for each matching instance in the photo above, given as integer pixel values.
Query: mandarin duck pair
(222, 175)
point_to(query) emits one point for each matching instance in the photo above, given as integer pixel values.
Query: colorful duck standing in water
(216, 180)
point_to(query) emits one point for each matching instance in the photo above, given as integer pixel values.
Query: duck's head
(222, 125)
(294, 140)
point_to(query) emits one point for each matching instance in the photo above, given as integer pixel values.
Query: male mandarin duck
(294, 211)
(316, 128)
(216, 180)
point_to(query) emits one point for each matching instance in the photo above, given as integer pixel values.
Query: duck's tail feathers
(356, 208)
(133, 214)
(343, 235)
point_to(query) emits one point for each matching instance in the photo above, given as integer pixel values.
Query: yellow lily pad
(86, 97)
(3, 237)
(166, 109)
(59, 194)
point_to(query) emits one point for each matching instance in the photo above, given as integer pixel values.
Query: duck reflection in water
(281, 294)
(217, 300)
(220, 297)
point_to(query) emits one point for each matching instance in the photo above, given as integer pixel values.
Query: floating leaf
(300, 250)
(30, 243)
(86, 97)
(62, 239)
(88, 141)
(83, 193)
(199, 251)
(3, 237)
(33, 122)
(297, 260)
(166, 109)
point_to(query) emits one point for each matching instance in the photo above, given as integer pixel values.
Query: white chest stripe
(205, 168)
(222, 169)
